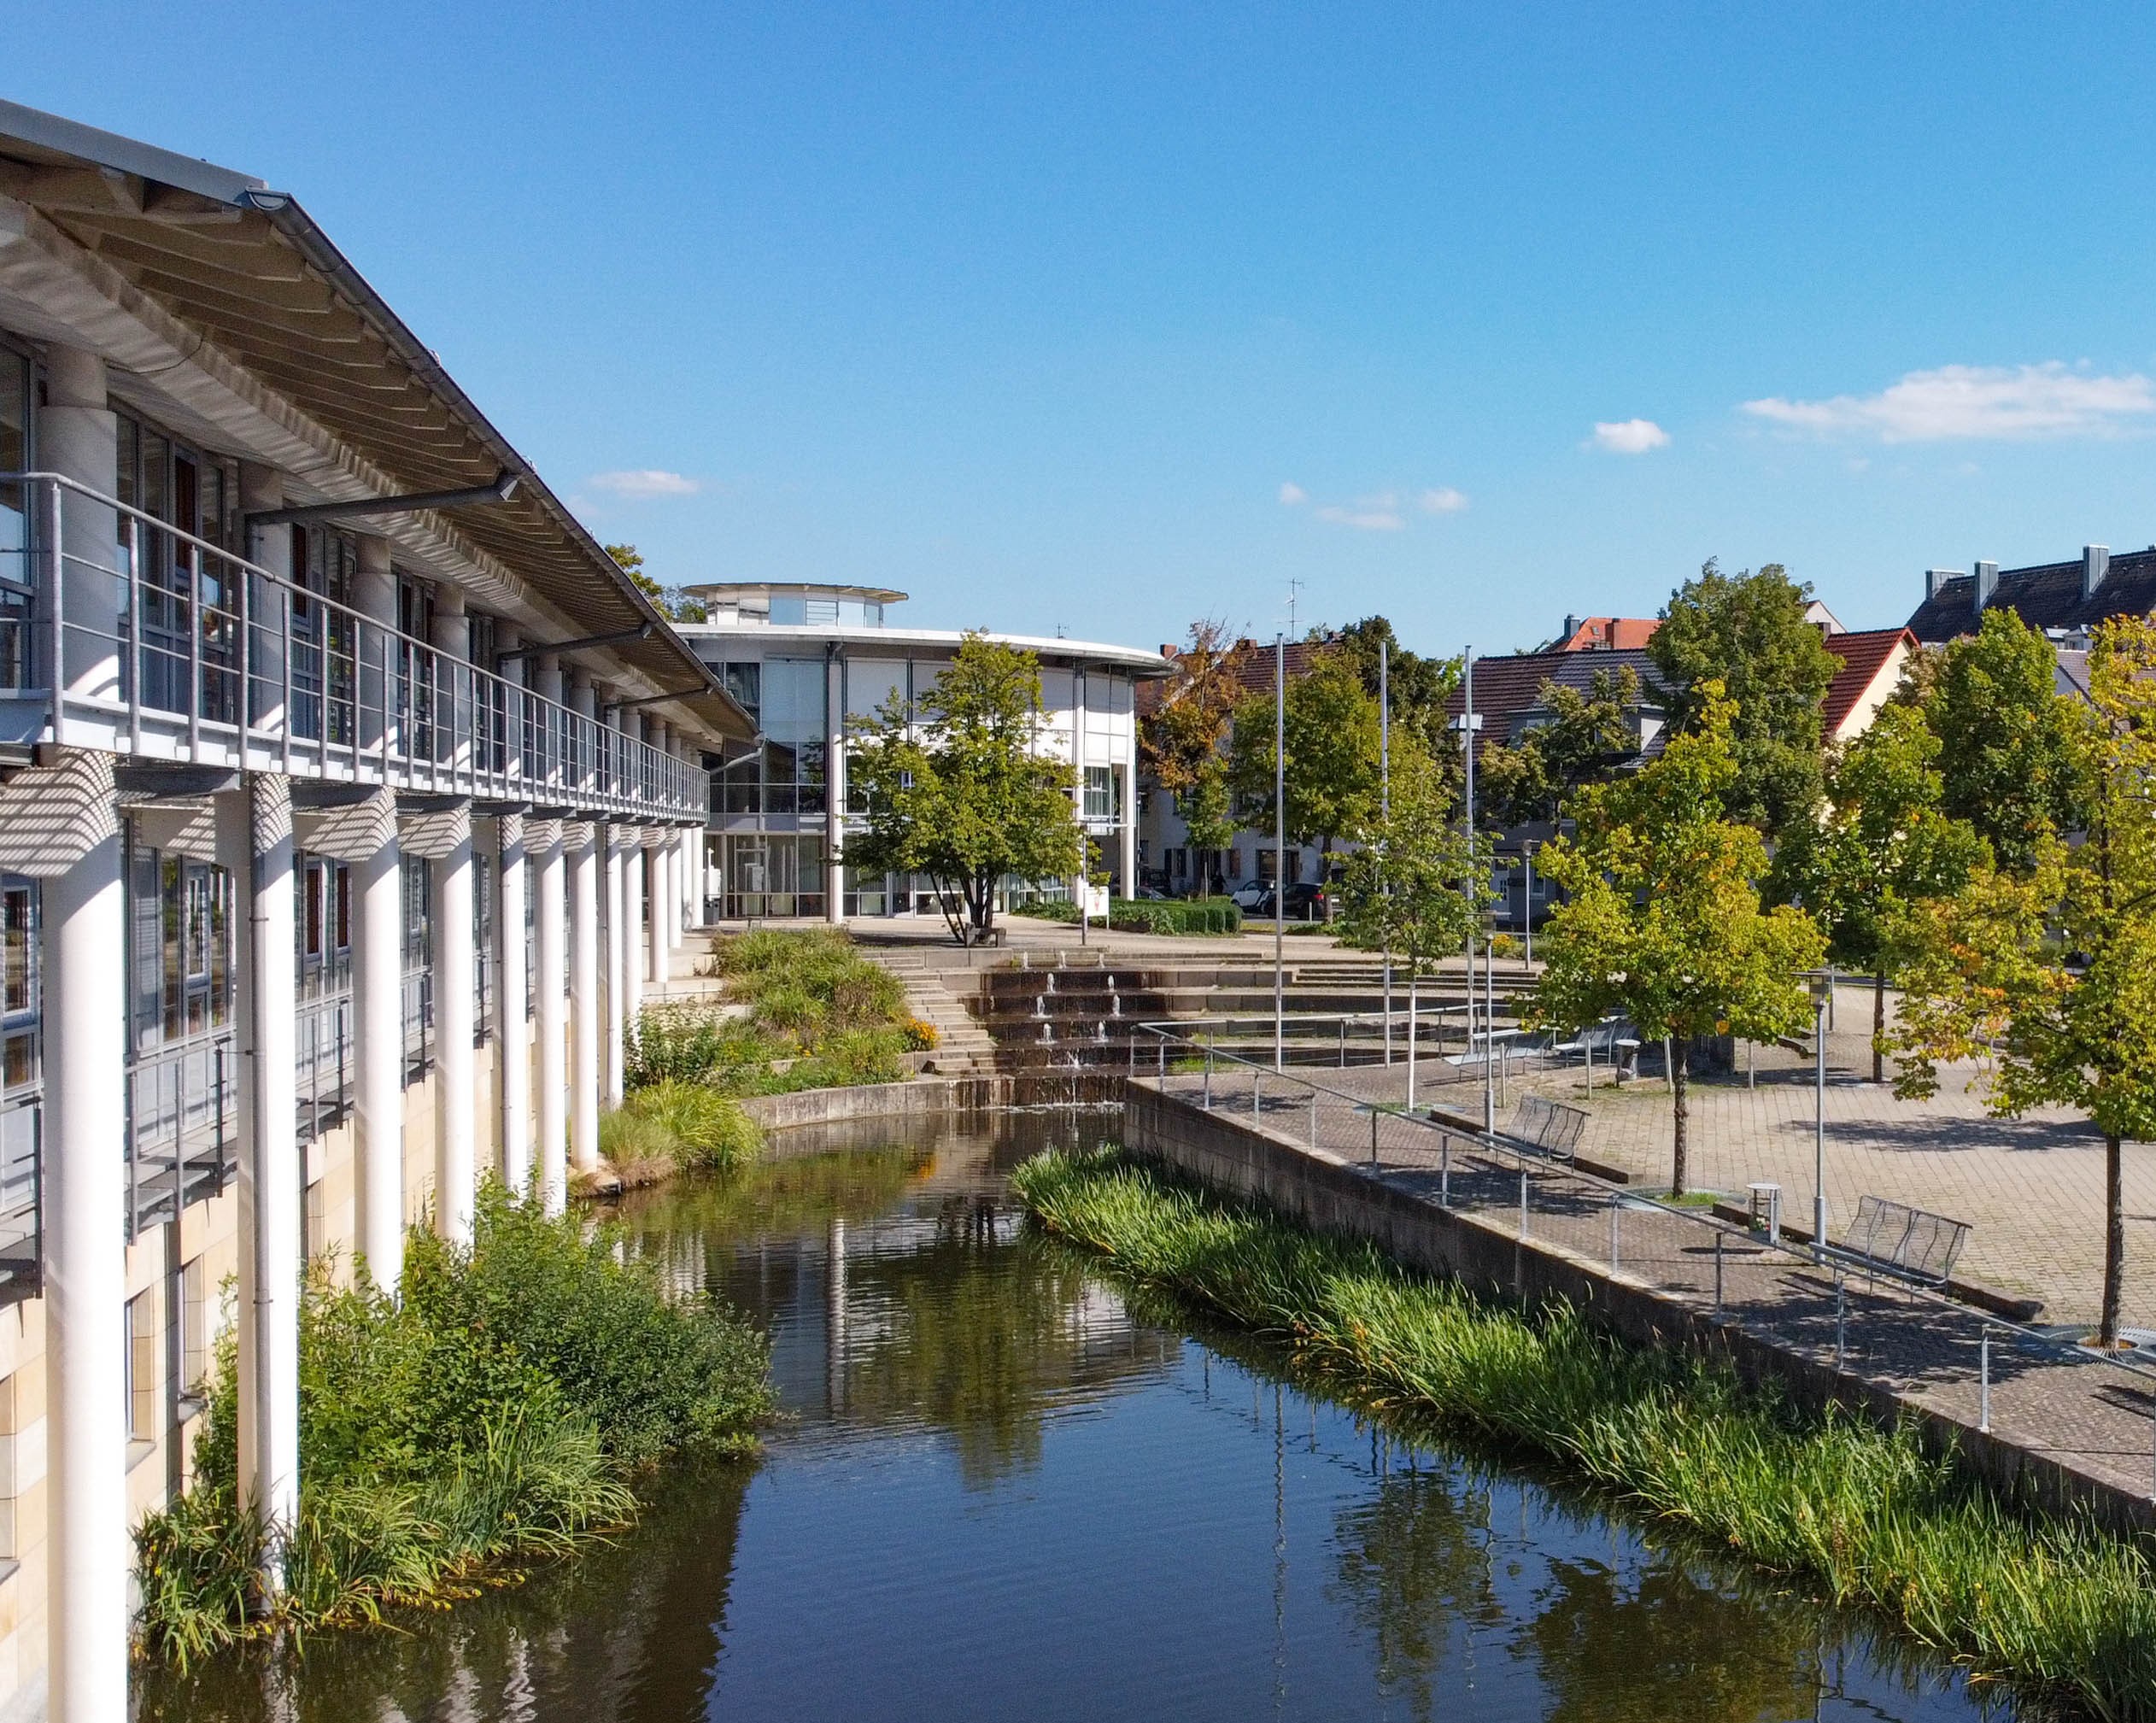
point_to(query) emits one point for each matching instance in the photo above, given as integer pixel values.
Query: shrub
(497, 1412)
(920, 1037)
(1049, 909)
(709, 1128)
(1181, 916)
(627, 1139)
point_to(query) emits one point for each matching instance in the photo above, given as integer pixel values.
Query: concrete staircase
(964, 1047)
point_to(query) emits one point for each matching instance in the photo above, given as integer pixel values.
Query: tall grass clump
(811, 1013)
(1867, 1516)
(706, 1129)
(497, 1416)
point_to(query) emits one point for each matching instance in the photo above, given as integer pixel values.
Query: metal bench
(1908, 1244)
(1612, 1042)
(1550, 1126)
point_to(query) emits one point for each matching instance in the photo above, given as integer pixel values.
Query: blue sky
(1101, 318)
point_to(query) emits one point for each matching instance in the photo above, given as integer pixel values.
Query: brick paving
(2095, 1419)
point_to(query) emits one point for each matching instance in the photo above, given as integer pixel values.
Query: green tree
(1879, 844)
(1332, 770)
(1589, 735)
(2006, 737)
(959, 794)
(1662, 921)
(1747, 633)
(2045, 974)
(1180, 742)
(1418, 686)
(1419, 884)
(672, 601)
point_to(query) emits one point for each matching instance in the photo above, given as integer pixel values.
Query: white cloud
(1378, 513)
(1962, 402)
(1442, 500)
(1293, 494)
(1630, 435)
(645, 482)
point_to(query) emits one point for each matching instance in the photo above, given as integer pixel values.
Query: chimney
(1572, 627)
(2095, 563)
(1986, 585)
(1933, 579)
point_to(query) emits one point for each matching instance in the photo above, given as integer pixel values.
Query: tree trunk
(1679, 1071)
(1878, 1029)
(2114, 1244)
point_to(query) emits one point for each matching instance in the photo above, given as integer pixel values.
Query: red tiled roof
(1610, 634)
(1249, 661)
(1863, 655)
(1506, 686)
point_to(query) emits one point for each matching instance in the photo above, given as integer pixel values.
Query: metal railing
(1816, 1300)
(120, 632)
(324, 1049)
(182, 1127)
(416, 1012)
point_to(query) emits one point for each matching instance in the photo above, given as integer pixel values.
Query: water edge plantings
(498, 1415)
(2054, 1604)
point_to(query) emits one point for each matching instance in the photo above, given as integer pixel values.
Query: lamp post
(1385, 811)
(1822, 986)
(1280, 848)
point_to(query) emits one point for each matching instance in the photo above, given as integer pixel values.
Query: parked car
(1247, 897)
(1305, 902)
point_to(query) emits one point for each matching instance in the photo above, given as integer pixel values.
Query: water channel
(1003, 1494)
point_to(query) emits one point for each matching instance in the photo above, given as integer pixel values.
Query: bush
(1049, 909)
(630, 1141)
(920, 1037)
(709, 1129)
(495, 1413)
(1183, 915)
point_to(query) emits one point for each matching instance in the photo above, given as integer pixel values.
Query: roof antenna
(1294, 587)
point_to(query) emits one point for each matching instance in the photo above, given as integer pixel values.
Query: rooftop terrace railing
(120, 632)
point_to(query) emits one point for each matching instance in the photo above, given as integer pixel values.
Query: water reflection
(1003, 1493)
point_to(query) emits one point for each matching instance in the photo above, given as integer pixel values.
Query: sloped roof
(2046, 595)
(261, 291)
(1610, 634)
(1863, 654)
(1504, 688)
(1249, 661)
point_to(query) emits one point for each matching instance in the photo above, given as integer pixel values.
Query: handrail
(1501, 1147)
(434, 721)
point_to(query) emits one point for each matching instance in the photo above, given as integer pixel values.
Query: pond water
(1003, 1494)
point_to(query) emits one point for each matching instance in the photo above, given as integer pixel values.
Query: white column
(617, 961)
(378, 1009)
(269, 1169)
(691, 839)
(85, 1264)
(1126, 775)
(834, 787)
(456, 1097)
(550, 953)
(77, 436)
(655, 914)
(633, 958)
(512, 1029)
(584, 1076)
(270, 548)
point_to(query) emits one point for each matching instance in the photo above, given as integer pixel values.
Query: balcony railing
(121, 633)
(183, 1117)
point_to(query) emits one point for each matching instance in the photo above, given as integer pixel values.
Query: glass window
(16, 928)
(1057, 691)
(194, 1327)
(871, 683)
(745, 682)
(1100, 792)
(141, 1368)
(788, 609)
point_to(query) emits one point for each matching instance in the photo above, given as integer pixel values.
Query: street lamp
(1822, 987)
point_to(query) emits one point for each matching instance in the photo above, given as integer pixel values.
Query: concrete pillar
(634, 958)
(584, 1074)
(456, 1099)
(77, 436)
(374, 596)
(86, 1262)
(834, 787)
(512, 1029)
(659, 873)
(618, 960)
(454, 709)
(378, 1009)
(550, 955)
(1126, 800)
(269, 1166)
(691, 839)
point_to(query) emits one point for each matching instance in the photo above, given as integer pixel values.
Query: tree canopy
(2045, 973)
(1663, 922)
(1589, 735)
(1418, 686)
(959, 793)
(1332, 769)
(2007, 736)
(1880, 844)
(1747, 634)
(672, 601)
(1413, 888)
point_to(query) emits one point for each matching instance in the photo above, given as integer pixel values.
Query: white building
(803, 658)
(348, 794)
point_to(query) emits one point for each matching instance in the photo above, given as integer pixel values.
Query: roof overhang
(225, 303)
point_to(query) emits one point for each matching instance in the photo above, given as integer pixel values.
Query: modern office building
(347, 794)
(804, 660)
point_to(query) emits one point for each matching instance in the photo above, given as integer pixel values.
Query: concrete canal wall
(1331, 1195)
